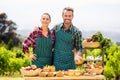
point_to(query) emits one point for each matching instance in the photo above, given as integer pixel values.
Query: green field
(11, 78)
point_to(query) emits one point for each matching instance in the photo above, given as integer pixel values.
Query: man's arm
(78, 41)
(78, 45)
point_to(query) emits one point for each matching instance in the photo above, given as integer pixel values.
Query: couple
(62, 40)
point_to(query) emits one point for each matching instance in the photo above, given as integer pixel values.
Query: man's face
(67, 16)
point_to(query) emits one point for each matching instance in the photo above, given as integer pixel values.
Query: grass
(12, 77)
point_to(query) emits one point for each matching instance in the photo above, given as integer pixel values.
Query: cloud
(89, 14)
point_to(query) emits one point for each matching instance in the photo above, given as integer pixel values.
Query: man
(67, 38)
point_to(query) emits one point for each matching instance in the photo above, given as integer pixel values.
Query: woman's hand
(32, 57)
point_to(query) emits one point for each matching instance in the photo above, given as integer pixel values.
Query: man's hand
(77, 58)
(36, 28)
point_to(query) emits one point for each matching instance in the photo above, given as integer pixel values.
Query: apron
(63, 55)
(43, 50)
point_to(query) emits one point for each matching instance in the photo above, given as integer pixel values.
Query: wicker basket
(98, 71)
(29, 73)
(91, 44)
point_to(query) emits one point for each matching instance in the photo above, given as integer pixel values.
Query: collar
(68, 30)
(40, 31)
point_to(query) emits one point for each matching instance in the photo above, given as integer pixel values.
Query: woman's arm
(29, 41)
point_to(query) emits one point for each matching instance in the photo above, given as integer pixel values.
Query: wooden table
(97, 77)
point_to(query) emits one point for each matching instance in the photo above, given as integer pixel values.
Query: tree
(7, 30)
(6, 25)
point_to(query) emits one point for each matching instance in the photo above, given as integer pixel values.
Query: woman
(42, 40)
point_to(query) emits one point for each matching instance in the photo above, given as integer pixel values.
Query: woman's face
(45, 20)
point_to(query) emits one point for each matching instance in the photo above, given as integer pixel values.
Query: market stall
(49, 73)
(91, 69)
(97, 77)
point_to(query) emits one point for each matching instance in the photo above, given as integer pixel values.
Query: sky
(88, 14)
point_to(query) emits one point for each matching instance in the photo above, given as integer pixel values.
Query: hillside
(112, 35)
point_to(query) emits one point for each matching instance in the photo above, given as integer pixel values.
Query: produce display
(97, 40)
(94, 69)
(30, 70)
(49, 71)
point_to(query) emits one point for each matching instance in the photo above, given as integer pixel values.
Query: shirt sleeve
(30, 40)
(57, 27)
(54, 28)
(78, 41)
(53, 37)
